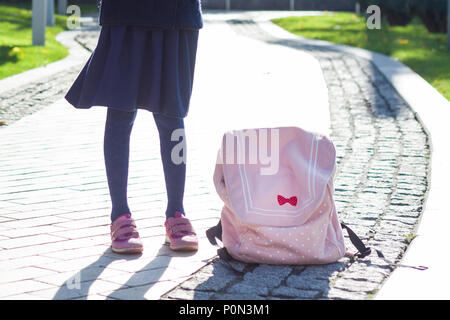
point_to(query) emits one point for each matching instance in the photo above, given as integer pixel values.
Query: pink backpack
(277, 189)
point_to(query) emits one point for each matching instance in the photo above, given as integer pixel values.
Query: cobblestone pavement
(27, 99)
(31, 97)
(383, 155)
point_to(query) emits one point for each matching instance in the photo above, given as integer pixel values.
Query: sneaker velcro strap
(125, 232)
(122, 223)
(182, 228)
(176, 221)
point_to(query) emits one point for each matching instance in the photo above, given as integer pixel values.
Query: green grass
(413, 45)
(86, 8)
(16, 51)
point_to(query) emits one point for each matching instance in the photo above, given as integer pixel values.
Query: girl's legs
(173, 158)
(180, 234)
(118, 129)
(125, 238)
(116, 151)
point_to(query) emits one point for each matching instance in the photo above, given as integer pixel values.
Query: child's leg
(116, 151)
(174, 169)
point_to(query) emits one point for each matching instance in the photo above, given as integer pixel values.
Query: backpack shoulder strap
(363, 251)
(214, 232)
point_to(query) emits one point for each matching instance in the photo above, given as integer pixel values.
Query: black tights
(117, 149)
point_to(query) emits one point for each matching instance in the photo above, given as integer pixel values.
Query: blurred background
(413, 31)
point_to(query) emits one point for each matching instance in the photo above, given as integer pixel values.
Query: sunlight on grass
(413, 45)
(16, 52)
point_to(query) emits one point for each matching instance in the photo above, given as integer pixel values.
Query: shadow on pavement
(78, 285)
(222, 282)
(142, 280)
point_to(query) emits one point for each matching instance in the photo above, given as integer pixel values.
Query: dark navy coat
(159, 14)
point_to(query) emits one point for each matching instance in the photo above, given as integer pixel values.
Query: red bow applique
(292, 200)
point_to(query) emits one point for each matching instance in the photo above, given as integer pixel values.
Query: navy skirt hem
(134, 68)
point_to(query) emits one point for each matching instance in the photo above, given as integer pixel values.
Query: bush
(433, 13)
(396, 12)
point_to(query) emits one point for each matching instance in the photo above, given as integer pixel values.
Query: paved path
(54, 199)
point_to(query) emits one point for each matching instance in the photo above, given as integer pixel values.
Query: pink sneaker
(180, 234)
(124, 235)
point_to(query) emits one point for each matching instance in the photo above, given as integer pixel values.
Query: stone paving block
(147, 292)
(257, 280)
(289, 292)
(187, 265)
(30, 241)
(10, 206)
(66, 251)
(5, 219)
(103, 241)
(214, 275)
(102, 287)
(364, 272)
(359, 286)
(16, 263)
(189, 295)
(22, 296)
(306, 282)
(58, 293)
(34, 222)
(151, 232)
(246, 288)
(326, 271)
(78, 263)
(272, 270)
(94, 205)
(85, 232)
(26, 251)
(341, 294)
(141, 264)
(20, 287)
(145, 277)
(94, 297)
(84, 223)
(31, 231)
(209, 282)
(24, 273)
(61, 279)
(235, 296)
(72, 214)
(109, 273)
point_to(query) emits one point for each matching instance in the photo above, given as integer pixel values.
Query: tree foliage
(433, 13)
